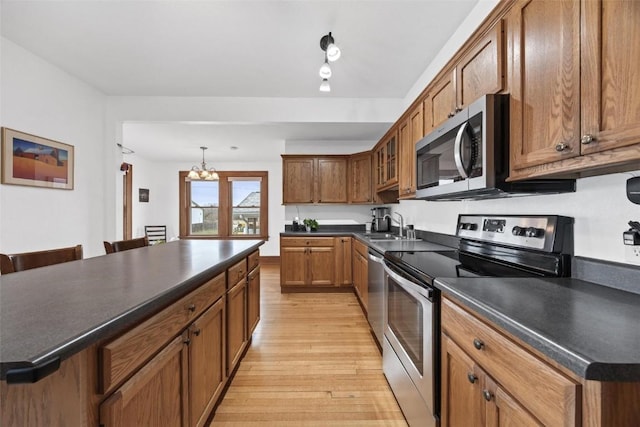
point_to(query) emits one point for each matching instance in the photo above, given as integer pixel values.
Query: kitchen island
(74, 335)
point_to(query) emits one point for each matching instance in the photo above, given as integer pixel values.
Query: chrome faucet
(400, 223)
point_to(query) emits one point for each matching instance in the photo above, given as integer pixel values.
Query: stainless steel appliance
(490, 245)
(381, 220)
(468, 157)
(375, 288)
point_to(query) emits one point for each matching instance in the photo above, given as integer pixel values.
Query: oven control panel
(531, 231)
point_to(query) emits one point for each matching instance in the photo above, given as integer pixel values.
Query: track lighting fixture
(331, 53)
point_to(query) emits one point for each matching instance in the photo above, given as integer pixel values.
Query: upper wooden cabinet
(298, 185)
(544, 80)
(314, 179)
(386, 161)
(411, 131)
(360, 182)
(479, 71)
(575, 106)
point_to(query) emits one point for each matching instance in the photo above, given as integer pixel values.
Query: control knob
(534, 232)
(517, 231)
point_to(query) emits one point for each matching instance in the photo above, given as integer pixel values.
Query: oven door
(410, 331)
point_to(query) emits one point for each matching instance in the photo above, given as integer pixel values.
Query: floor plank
(312, 362)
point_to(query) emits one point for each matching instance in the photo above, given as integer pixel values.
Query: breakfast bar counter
(72, 333)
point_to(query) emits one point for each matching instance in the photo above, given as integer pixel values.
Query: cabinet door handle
(561, 147)
(192, 307)
(587, 139)
(196, 332)
(458, 109)
(471, 377)
(478, 344)
(487, 395)
(450, 115)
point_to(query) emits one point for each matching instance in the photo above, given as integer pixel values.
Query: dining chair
(11, 263)
(125, 245)
(155, 233)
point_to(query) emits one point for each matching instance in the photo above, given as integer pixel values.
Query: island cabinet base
(170, 369)
(65, 398)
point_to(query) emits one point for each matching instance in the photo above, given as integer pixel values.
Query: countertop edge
(576, 363)
(118, 324)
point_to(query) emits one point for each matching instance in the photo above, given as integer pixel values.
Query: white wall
(599, 206)
(41, 99)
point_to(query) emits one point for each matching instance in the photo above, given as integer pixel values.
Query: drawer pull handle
(192, 307)
(561, 147)
(478, 344)
(487, 395)
(471, 377)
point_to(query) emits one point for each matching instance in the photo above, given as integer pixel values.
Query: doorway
(127, 190)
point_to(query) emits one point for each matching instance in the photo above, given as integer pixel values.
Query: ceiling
(237, 48)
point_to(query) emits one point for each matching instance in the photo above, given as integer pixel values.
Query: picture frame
(35, 161)
(143, 195)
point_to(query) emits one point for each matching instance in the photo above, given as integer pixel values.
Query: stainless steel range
(490, 245)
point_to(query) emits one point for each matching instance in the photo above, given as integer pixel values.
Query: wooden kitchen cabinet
(440, 103)
(360, 179)
(544, 81)
(360, 263)
(582, 114)
(344, 274)
(253, 304)
(307, 261)
(386, 161)
(206, 362)
(479, 71)
(236, 324)
(332, 180)
(298, 174)
(314, 179)
(155, 395)
(504, 381)
(411, 131)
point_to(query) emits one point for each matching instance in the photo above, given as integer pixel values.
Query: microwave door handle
(457, 147)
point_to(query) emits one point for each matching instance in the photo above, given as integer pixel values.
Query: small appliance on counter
(381, 220)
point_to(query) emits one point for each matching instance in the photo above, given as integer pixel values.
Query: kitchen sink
(388, 237)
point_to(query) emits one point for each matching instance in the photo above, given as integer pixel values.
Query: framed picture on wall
(36, 161)
(143, 195)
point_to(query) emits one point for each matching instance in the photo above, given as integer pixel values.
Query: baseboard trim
(270, 260)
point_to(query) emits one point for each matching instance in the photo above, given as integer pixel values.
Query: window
(235, 207)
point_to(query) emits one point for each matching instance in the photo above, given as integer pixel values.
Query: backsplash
(599, 206)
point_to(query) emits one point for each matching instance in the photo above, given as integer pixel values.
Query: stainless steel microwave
(467, 157)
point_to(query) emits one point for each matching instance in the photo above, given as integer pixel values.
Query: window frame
(225, 207)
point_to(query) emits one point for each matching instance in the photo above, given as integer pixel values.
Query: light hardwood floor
(312, 362)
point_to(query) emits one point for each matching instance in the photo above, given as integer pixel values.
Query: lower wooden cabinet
(181, 384)
(488, 379)
(307, 262)
(236, 318)
(344, 274)
(361, 272)
(156, 395)
(206, 362)
(253, 304)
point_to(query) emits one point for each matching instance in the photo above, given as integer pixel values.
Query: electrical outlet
(632, 254)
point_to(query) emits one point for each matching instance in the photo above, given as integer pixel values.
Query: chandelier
(202, 172)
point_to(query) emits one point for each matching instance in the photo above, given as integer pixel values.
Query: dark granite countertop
(381, 246)
(591, 329)
(50, 313)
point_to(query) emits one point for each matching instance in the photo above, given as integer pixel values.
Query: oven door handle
(410, 287)
(457, 148)
(376, 259)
